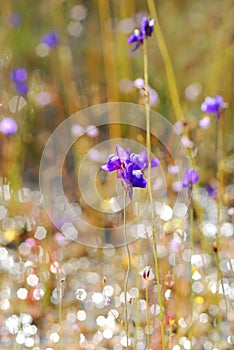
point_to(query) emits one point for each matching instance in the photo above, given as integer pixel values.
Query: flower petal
(112, 164)
(137, 179)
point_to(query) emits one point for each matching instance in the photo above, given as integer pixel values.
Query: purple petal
(112, 164)
(190, 177)
(147, 26)
(21, 88)
(122, 154)
(219, 100)
(50, 39)
(19, 75)
(155, 162)
(139, 160)
(137, 179)
(212, 104)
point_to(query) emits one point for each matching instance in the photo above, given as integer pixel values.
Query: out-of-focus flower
(21, 88)
(19, 77)
(138, 35)
(153, 95)
(43, 98)
(213, 105)
(212, 190)
(14, 20)
(173, 169)
(204, 123)
(190, 178)
(186, 141)
(92, 131)
(192, 91)
(231, 211)
(179, 126)
(50, 39)
(129, 167)
(8, 126)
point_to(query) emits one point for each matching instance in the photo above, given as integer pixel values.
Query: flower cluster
(190, 178)
(19, 77)
(129, 167)
(138, 36)
(213, 105)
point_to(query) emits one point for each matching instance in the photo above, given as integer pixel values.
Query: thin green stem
(147, 313)
(127, 273)
(219, 152)
(148, 142)
(138, 255)
(60, 314)
(191, 224)
(168, 65)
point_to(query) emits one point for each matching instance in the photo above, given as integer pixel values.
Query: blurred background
(58, 57)
(75, 55)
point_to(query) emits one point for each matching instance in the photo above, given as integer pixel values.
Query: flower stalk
(127, 272)
(148, 142)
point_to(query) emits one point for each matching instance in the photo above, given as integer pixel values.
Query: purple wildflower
(212, 190)
(129, 167)
(138, 35)
(8, 126)
(19, 77)
(213, 105)
(50, 39)
(147, 26)
(21, 88)
(190, 178)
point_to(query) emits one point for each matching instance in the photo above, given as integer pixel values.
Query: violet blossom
(50, 39)
(129, 167)
(138, 35)
(19, 77)
(190, 178)
(214, 105)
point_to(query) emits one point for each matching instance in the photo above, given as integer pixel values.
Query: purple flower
(8, 126)
(190, 178)
(129, 167)
(147, 26)
(21, 88)
(138, 35)
(212, 190)
(50, 39)
(213, 105)
(19, 77)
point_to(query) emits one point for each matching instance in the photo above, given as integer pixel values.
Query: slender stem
(148, 142)
(60, 313)
(168, 65)
(170, 335)
(191, 224)
(219, 152)
(127, 273)
(138, 254)
(147, 313)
